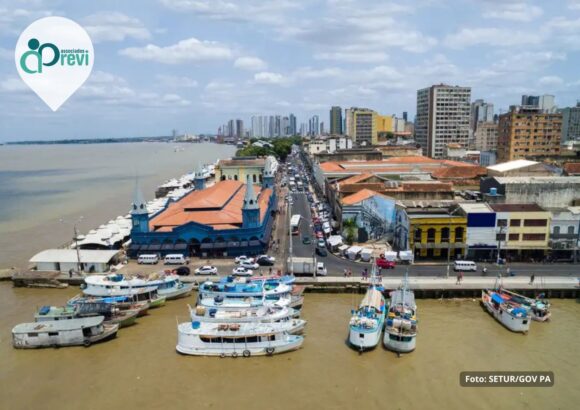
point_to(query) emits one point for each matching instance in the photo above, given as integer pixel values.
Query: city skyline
(191, 65)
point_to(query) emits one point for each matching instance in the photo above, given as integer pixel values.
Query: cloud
(550, 81)
(114, 26)
(574, 4)
(492, 36)
(173, 81)
(266, 77)
(189, 50)
(13, 85)
(6, 54)
(354, 57)
(250, 63)
(14, 20)
(312, 73)
(516, 11)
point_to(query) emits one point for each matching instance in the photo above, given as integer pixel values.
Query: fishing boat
(233, 289)
(401, 326)
(237, 303)
(138, 299)
(236, 339)
(117, 285)
(170, 286)
(539, 308)
(511, 315)
(366, 323)
(57, 333)
(263, 314)
(112, 314)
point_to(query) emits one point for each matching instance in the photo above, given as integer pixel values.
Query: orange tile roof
(357, 178)
(393, 164)
(459, 172)
(572, 167)
(219, 206)
(360, 196)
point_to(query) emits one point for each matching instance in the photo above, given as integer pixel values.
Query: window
(557, 230)
(570, 230)
(515, 222)
(32, 334)
(500, 237)
(417, 236)
(535, 222)
(534, 237)
(459, 234)
(53, 333)
(502, 222)
(431, 235)
(514, 237)
(445, 235)
(254, 178)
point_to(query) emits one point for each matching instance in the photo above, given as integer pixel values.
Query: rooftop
(512, 165)
(390, 165)
(516, 207)
(70, 256)
(361, 196)
(476, 207)
(219, 206)
(538, 180)
(242, 162)
(572, 168)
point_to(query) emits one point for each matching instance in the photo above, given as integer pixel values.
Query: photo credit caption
(506, 379)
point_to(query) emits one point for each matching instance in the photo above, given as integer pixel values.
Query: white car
(241, 271)
(206, 270)
(243, 258)
(249, 265)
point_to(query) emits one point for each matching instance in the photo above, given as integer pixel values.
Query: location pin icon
(54, 56)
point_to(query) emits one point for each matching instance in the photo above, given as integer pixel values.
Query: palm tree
(349, 228)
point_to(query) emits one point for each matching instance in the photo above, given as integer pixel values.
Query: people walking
(532, 278)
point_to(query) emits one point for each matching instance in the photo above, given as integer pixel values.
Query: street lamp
(449, 242)
(290, 232)
(76, 241)
(501, 231)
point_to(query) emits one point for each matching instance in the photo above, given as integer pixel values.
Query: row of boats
(244, 317)
(106, 304)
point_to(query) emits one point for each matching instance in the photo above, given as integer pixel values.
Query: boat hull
(518, 325)
(364, 340)
(155, 303)
(238, 350)
(172, 294)
(109, 332)
(394, 343)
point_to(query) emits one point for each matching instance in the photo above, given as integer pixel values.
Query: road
(336, 265)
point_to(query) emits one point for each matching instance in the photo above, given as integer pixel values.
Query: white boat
(233, 289)
(538, 308)
(262, 314)
(237, 303)
(401, 327)
(237, 339)
(366, 323)
(118, 285)
(56, 333)
(170, 286)
(511, 315)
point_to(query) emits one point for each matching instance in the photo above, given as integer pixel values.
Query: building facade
(443, 117)
(526, 132)
(485, 136)
(570, 124)
(336, 120)
(239, 168)
(565, 233)
(481, 231)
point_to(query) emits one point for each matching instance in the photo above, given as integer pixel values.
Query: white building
(63, 260)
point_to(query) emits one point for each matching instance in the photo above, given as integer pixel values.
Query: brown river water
(141, 369)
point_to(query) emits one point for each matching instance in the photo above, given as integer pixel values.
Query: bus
(295, 224)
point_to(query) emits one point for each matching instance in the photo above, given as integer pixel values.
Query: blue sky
(193, 64)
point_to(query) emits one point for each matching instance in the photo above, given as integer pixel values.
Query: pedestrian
(507, 271)
(457, 281)
(460, 277)
(532, 279)
(345, 272)
(270, 271)
(70, 273)
(350, 273)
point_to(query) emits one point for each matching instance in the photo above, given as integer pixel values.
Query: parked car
(249, 265)
(385, 264)
(321, 243)
(241, 271)
(321, 252)
(206, 270)
(182, 271)
(306, 240)
(242, 258)
(265, 260)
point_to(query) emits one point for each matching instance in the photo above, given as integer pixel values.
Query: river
(44, 189)
(140, 368)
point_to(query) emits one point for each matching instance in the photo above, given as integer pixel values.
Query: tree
(349, 228)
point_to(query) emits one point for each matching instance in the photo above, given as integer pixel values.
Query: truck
(306, 266)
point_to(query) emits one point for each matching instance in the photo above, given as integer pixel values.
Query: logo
(54, 57)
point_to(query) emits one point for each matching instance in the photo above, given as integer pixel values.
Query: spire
(139, 206)
(250, 199)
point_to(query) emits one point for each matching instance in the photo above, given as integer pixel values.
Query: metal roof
(538, 180)
(70, 256)
(512, 165)
(477, 207)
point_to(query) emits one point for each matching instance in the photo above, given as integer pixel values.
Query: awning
(180, 246)
(135, 247)
(254, 243)
(206, 246)
(233, 244)
(220, 245)
(153, 247)
(167, 247)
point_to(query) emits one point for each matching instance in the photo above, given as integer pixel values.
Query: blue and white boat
(401, 327)
(366, 323)
(233, 289)
(513, 316)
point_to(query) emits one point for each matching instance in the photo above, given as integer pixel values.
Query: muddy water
(140, 368)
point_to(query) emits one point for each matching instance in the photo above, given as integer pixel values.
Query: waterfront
(42, 184)
(140, 368)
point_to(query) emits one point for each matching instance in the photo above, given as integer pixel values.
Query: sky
(191, 65)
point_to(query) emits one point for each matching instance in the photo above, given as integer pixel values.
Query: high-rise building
(480, 112)
(293, 128)
(443, 113)
(570, 124)
(314, 125)
(322, 128)
(405, 116)
(285, 127)
(365, 127)
(239, 129)
(348, 122)
(231, 129)
(384, 123)
(527, 132)
(336, 120)
(485, 137)
(546, 103)
(530, 100)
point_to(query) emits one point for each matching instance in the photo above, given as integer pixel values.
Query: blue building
(227, 219)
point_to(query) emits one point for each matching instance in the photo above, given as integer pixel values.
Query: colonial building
(229, 218)
(239, 168)
(481, 231)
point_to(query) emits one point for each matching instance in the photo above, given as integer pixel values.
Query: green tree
(349, 229)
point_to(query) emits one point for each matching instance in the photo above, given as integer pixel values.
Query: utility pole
(449, 242)
(79, 269)
(290, 232)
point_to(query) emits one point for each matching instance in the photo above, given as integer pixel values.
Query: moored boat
(116, 285)
(233, 289)
(511, 315)
(57, 333)
(263, 314)
(539, 307)
(401, 325)
(366, 323)
(112, 314)
(236, 339)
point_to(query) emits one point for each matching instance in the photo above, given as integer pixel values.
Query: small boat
(366, 323)
(511, 315)
(112, 314)
(169, 285)
(230, 288)
(116, 285)
(401, 327)
(263, 314)
(236, 303)
(237, 339)
(139, 301)
(539, 308)
(286, 279)
(57, 333)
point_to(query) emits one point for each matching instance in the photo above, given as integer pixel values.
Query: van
(464, 266)
(148, 259)
(174, 259)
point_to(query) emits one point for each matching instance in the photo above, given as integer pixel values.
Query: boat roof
(398, 296)
(58, 325)
(373, 298)
(246, 329)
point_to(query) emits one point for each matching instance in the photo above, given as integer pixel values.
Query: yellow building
(237, 169)
(364, 126)
(384, 123)
(522, 229)
(434, 231)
